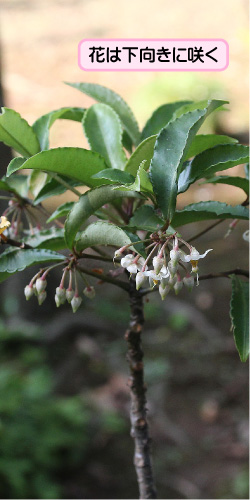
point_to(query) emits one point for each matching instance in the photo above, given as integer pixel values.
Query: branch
(105, 277)
(225, 274)
(14, 243)
(138, 415)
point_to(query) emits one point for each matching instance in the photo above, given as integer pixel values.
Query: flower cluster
(166, 275)
(38, 284)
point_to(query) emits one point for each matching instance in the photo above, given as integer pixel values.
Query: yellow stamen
(155, 281)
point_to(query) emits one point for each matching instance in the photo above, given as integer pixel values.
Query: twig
(138, 416)
(204, 231)
(105, 277)
(14, 243)
(225, 274)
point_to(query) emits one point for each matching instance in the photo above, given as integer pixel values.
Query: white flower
(75, 303)
(28, 292)
(89, 292)
(178, 286)
(69, 294)
(164, 291)
(140, 280)
(162, 275)
(194, 256)
(41, 297)
(132, 263)
(189, 282)
(158, 262)
(245, 235)
(41, 284)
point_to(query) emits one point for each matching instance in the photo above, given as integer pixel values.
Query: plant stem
(65, 184)
(138, 416)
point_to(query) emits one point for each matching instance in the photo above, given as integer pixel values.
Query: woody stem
(138, 411)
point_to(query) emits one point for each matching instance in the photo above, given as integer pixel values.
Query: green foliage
(103, 130)
(43, 124)
(131, 194)
(210, 161)
(17, 133)
(239, 313)
(43, 435)
(13, 260)
(102, 233)
(76, 163)
(207, 210)
(87, 205)
(107, 96)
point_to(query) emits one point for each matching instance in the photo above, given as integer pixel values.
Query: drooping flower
(162, 275)
(140, 280)
(4, 224)
(89, 292)
(132, 264)
(194, 257)
(76, 302)
(158, 263)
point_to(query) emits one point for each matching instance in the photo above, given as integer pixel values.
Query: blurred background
(64, 401)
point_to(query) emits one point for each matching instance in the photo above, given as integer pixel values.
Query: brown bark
(138, 412)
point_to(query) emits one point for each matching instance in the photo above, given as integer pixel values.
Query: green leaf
(115, 176)
(102, 233)
(145, 218)
(239, 313)
(160, 118)
(36, 181)
(210, 161)
(107, 96)
(144, 151)
(61, 211)
(206, 210)
(141, 182)
(87, 205)
(170, 149)
(239, 182)
(103, 130)
(210, 105)
(18, 260)
(127, 142)
(54, 188)
(17, 184)
(202, 142)
(42, 125)
(17, 133)
(51, 239)
(77, 163)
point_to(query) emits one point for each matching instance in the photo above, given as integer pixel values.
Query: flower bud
(89, 292)
(41, 297)
(61, 294)
(69, 294)
(158, 262)
(41, 284)
(189, 282)
(140, 280)
(28, 292)
(172, 267)
(76, 302)
(164, 291)
(178, 286)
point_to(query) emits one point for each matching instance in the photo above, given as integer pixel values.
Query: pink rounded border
(155, 40)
